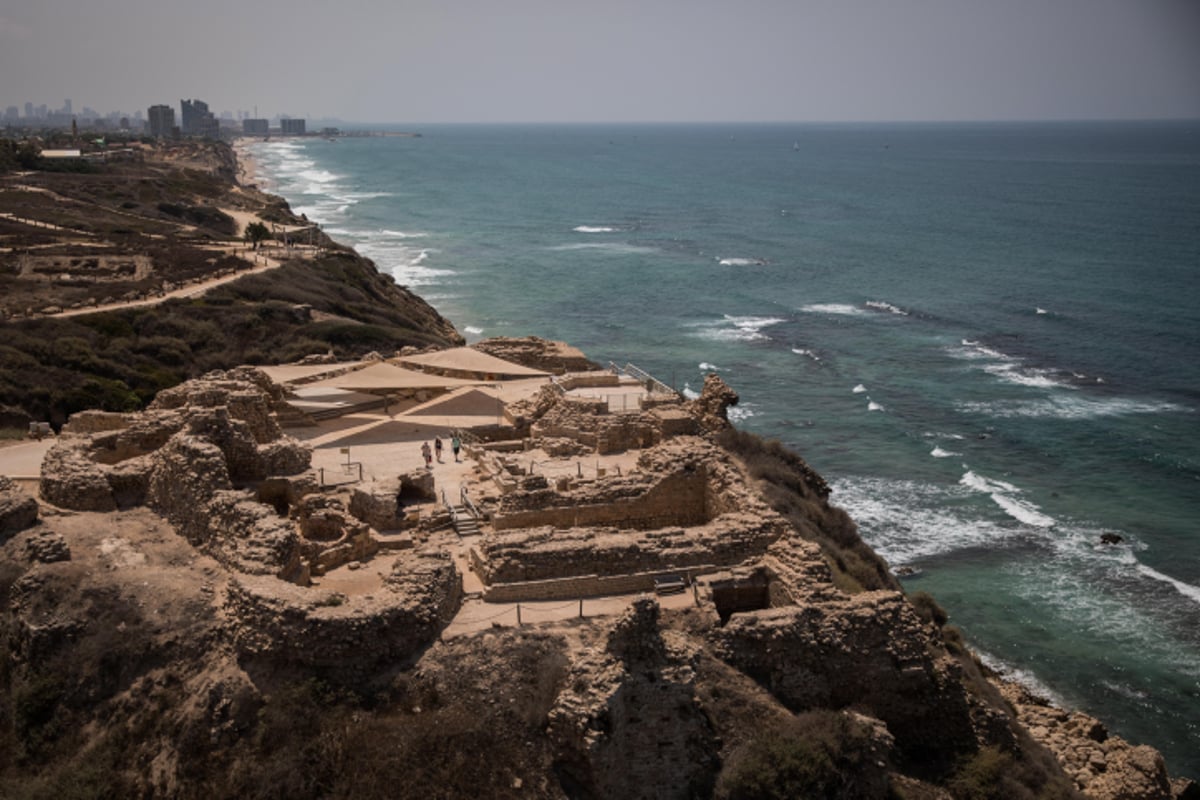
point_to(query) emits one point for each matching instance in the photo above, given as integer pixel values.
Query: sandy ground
(476, 615)
(24, 459)
(247, 171)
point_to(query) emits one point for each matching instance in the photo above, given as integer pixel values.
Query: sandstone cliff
(168, 630)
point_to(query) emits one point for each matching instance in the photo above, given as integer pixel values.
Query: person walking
(427, 455)
(437, 447)
(455, 445)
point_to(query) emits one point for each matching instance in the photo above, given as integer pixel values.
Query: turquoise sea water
(986, 337)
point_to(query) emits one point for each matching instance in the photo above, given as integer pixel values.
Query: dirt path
(263, 264)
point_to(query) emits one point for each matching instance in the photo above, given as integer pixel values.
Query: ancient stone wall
(584, 585)
(18, 510)
(345, 639)
(630, 721)
(546, 553)
(633, 502)
(869, 651)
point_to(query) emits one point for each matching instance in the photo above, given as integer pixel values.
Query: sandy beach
(247, 171)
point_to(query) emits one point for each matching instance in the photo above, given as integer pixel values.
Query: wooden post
(518, 615)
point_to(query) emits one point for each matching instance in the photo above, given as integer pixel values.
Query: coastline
(248, 175)
(1065, 730)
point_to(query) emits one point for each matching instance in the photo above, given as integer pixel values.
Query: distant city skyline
(625, 60)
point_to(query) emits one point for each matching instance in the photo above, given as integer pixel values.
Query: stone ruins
(660, 504)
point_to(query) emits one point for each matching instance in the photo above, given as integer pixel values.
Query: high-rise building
(294, 127)
(28, 110)
(67, 106)
(197, 120)
(161, 120)
(256, 127)
(12, 114)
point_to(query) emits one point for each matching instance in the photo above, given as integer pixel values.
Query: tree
(255, 233)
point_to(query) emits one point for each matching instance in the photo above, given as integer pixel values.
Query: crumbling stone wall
(869, 651)
(345, 639)
(684, 482)
(589, 422)
(184, 458)
(18, 510)
(546, 553)
(633, 502)
(630, 722)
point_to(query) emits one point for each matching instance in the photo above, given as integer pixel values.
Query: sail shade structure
(385, 377)
(466, 359)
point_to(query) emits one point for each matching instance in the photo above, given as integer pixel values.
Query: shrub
(820, 754)
(796, 491)
(928, 609)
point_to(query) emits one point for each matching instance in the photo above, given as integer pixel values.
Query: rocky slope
(172, 219)
(160, 636)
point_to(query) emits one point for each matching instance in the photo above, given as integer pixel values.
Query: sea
(985, 336)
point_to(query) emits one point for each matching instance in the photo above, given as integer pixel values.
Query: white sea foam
(740, 412)
(873, 406)
(1002, 494)
(973, 350)
(319, 176)
(616, 248)
(707, 367)
(938, 452)
(594, 229)
(356, 196)
(406, 264)
(1040, 310)
(1186, 589)
(689, 392)
(401, 234)
(879, 305)
(859, 389)
(1068, 408)
(738, 329)
(837, 309)
(1023, 677)
(741, 262)
(801, 351)
(905, 521)
(471, 329)
(1012, 372)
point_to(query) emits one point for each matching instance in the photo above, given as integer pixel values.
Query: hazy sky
(601, 60)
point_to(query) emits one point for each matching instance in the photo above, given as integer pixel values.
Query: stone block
(18, 510)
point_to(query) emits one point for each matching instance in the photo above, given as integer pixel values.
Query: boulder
(711, 407)
(47, 547)
(18, 510)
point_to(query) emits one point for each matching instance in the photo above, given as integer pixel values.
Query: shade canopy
(466, 359)
(384, 377)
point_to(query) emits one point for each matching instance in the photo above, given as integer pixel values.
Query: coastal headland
(236, 570)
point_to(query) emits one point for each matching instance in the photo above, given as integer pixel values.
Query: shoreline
(248, 175)
(1025, 691)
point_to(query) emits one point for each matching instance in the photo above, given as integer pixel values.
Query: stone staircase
(464, 523)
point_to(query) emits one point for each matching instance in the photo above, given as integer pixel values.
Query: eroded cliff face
(162, 634)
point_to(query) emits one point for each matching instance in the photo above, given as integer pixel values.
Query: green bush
(820, 754)
(796, 491)
(928, 609)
